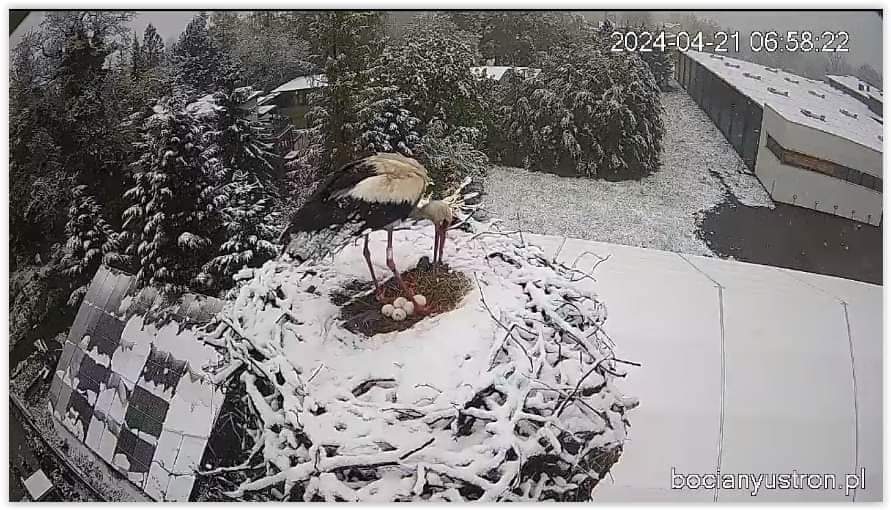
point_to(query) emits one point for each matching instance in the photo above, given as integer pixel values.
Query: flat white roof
(772, 348)
(303, 83)
(854, 83)
(801, 100)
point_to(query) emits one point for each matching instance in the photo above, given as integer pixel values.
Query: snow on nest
(460, 406)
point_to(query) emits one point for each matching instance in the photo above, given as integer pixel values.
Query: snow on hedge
(511, 396)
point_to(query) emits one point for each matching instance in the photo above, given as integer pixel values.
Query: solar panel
(134, 390)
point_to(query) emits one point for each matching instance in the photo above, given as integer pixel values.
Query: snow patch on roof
(858, 86)
(303, 83)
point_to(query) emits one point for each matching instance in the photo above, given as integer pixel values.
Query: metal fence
(736, 116)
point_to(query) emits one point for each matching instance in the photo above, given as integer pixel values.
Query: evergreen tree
(136, 57)
(91, 149)
(590, 112)
(170, 221)
(430, 67)
(270, 45)
(344, 43)
(152, 47)
(155, 77)
(661, 63)
(91, 241)
(201, 65)
(513, 37)
(241, 160)
(385, 125)
(39, 194)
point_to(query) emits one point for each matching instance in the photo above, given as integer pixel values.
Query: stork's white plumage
(369, 194)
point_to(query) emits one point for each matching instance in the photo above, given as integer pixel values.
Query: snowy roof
(303, 83)
(497, 72)
(139, 392)
(253, 95)
(268, 98)
(801, 100)
(772, 333)
(858, 86)
(263, 110)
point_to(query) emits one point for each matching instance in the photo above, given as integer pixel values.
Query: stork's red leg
(378, 293)
(392, 265)
(435, 245)
(442, 239)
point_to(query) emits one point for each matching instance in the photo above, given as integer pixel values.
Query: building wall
(736, 116)
(814, 190)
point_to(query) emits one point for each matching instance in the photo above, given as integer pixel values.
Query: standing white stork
(372, 193)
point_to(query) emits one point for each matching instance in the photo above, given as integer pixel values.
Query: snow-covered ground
(747, 368)
(698, 168)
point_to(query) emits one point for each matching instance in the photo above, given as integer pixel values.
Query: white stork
(372, 193)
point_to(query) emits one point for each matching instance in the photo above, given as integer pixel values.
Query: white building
(810, 144)
(860, 90)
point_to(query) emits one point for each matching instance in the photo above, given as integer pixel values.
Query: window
(797, 159)
(869, 181)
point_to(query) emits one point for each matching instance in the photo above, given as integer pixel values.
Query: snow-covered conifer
(239, 158)
(170, 219)
(91, 240)
(590, 112)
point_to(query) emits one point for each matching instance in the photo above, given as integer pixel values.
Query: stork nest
(361, 312)
(535, 412)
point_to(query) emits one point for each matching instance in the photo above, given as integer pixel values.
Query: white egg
(409, 307)
(398, 314)
(387, 310)
(398, 302)
(420, 300)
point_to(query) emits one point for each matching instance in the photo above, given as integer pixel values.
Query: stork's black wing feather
(328, 219)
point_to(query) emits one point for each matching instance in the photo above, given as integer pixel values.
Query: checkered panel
(140, 408)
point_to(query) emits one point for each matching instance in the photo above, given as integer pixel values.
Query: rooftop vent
(752, 76)
(778, 92)
(880, 138)
(790, 80)
(808, 113)
(846, 113)
(860, 87)
(730, 64)
(771, 69)
(719, 57)
(813, 93)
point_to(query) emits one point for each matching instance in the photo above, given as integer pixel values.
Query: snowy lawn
(699, 167)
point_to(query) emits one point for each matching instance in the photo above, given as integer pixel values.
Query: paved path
(746, 369)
